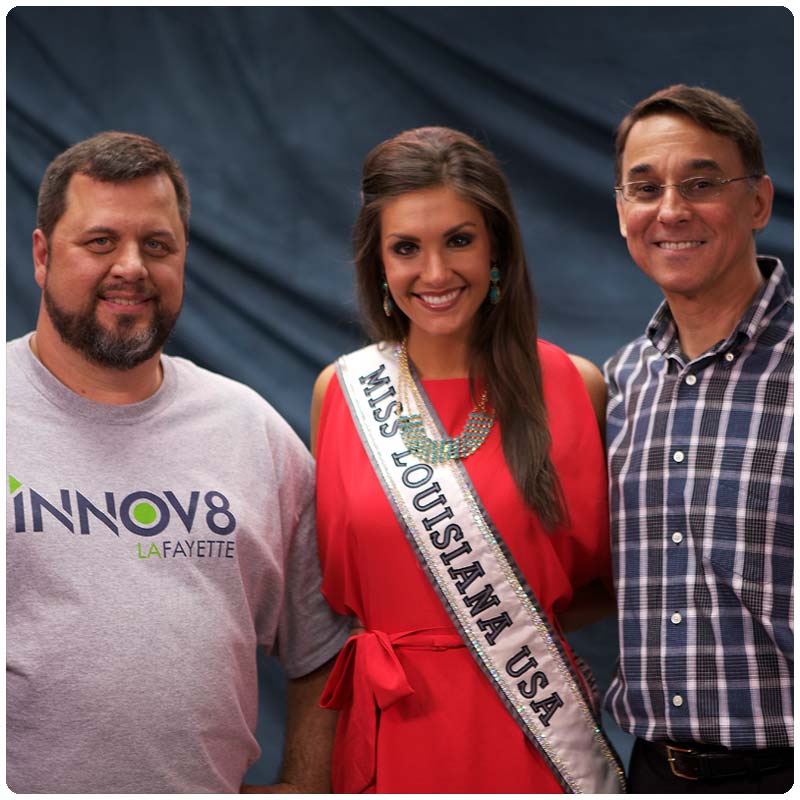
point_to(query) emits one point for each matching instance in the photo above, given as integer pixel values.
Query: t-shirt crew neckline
(64, 398)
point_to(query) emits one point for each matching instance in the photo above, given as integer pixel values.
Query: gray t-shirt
(150, 549)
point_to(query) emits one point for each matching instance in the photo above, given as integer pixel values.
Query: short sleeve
(309, 632)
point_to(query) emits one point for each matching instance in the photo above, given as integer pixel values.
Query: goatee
(121, 348)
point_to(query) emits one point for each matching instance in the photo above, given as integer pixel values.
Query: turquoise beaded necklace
(412, 427)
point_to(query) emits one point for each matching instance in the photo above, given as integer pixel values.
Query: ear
(623, 226)
(762, 202)
(40, 257)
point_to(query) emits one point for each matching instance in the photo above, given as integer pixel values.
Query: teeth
(678, 245)
(121, 301)
(439, 299)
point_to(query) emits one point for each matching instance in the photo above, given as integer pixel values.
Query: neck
(99, 384)
(437, 357)
(702, 321)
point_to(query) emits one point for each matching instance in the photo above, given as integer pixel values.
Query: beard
(122, 347)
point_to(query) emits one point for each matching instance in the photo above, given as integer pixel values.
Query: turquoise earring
(494, 286)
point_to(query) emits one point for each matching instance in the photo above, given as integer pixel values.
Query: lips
(124, 295)
(686, 245)
(126, 301)
(439, 301)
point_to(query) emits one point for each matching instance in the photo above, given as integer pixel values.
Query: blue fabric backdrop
(271, 110)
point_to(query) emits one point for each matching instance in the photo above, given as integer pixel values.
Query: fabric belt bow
(367, 676)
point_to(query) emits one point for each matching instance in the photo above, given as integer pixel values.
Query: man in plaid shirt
(700, 424)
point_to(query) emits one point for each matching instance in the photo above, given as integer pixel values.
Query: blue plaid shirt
(701, 476)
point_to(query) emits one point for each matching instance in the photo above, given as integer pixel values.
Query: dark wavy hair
(112, 157)
(503, 341)
(709, 110)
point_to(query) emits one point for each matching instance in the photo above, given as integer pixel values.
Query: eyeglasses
(695, 190)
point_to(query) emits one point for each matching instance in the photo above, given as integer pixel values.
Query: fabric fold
(366, 677)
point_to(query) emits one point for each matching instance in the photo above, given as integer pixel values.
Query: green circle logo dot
(144, 514)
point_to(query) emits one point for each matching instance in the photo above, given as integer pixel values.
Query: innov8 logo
(141, 512)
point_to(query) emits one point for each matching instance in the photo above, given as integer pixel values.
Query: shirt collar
(773, 295)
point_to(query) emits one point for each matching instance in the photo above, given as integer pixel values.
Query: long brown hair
(503, 340)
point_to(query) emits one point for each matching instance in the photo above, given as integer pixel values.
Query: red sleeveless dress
(416, 713)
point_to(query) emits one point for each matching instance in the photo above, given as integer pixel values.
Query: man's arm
(308, 747)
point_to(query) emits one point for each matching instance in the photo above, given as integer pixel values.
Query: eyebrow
(158, 232)
(163, 233)
(707, 164)
(448, 232)
(702, 164)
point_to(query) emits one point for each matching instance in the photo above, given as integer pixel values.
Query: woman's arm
(590, 604)
(596, 387)
(596, 600)
(320, 387)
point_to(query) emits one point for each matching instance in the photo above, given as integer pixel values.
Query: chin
(440, 328)
(669, 285)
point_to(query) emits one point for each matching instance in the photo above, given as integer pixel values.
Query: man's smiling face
(112, 270)
(690, 248)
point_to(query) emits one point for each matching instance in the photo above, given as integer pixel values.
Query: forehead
(675, 142)
(92, 202)
(429, 207)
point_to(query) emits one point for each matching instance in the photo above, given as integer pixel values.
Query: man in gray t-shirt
(160, 518)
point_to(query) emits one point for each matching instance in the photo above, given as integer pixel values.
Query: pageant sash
(478, 582)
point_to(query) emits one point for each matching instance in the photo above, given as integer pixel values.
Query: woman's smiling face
(436, 252)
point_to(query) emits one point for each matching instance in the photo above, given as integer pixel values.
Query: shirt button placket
(679, 472)
(675, 633)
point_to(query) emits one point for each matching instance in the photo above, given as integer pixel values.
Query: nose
(434, 269)
(673, 206)
(129, 263)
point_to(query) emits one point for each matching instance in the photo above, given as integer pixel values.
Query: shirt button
(729, 356)
(677, 701)
(677, 537)
(678, 456)
(691, 379)
(676, 618)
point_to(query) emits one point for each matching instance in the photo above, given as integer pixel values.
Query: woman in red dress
(443, 282)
